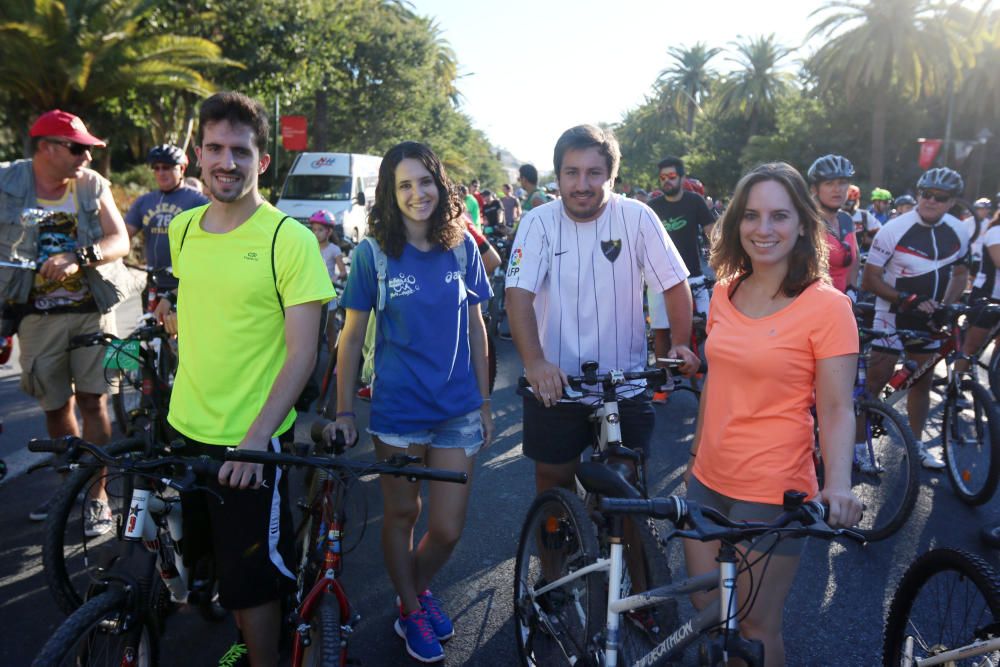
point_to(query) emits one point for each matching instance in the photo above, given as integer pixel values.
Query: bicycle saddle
(606, 480)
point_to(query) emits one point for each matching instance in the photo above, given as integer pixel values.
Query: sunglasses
(71, 146)
(164, 167)
(938, 198)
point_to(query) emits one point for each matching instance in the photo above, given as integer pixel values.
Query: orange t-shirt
(757, 430)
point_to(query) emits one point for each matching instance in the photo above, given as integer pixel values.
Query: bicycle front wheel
(970, 439)
(70, 556)
(558, 627)
(946, 600)
(103, 632)
(886, 477)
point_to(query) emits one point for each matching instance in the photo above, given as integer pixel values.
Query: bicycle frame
(981, 647)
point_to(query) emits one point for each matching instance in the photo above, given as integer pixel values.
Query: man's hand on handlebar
(166, 316)
(241, 475)
(547, 380)
(691, 361)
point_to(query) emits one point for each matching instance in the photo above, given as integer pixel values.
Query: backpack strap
(274, 272)
(846, 224)
(381, 271)
(461, 256)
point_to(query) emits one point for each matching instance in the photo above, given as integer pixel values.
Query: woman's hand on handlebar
(845, 508)
(691, 361)
(344, 424)
(547, 380)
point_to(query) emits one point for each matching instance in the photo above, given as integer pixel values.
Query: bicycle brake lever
(401, 460)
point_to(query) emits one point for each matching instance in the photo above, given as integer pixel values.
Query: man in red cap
(58, 217)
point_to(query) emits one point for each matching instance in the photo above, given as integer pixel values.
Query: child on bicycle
(780, 339)
(430, 394)
(323, 226)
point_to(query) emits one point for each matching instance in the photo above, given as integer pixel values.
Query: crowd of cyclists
(252, 294)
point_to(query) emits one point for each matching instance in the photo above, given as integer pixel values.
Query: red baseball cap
(65, 125)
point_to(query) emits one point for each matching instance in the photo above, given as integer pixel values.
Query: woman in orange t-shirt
(780, 340)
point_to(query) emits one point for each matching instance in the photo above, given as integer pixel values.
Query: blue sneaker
(416, 630)
(439, 620)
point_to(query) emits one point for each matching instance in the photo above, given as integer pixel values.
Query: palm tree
(79, 54)
(753, 90)
(687, 81)
(883, 48)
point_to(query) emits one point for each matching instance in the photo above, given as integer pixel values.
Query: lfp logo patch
(515, 261)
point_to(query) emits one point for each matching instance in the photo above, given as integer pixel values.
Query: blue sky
(534, 68)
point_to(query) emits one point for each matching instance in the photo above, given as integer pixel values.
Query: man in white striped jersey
(574, 294)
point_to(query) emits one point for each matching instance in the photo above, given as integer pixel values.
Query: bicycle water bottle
(903, 374)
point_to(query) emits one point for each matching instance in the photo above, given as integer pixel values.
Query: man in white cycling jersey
(917, 261)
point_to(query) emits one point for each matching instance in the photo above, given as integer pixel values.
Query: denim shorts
(464, 432)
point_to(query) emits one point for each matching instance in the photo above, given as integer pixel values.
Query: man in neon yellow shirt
(251, 286)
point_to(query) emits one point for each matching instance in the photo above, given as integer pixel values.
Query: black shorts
(250, 534)
(560, 434)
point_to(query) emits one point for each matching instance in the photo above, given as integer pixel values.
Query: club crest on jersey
(611, 249)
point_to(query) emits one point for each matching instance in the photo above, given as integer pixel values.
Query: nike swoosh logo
(562, 253)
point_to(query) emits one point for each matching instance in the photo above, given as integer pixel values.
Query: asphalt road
(834, 615)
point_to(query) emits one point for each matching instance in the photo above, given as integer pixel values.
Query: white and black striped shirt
(587, 278)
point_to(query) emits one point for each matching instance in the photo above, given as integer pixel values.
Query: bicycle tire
(890, 492)
(66, 573)
(325, 649)
(80, 640)
(993, 373)
(496, 310)
(636, 642)
(127, 399)
(491, 353)
(919, 607)
(545, 637)
(971, 448)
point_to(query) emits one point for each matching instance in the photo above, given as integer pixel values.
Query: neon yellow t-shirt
(231, 334)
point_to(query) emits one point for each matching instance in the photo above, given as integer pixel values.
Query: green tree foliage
(687, 81)
(753, 89)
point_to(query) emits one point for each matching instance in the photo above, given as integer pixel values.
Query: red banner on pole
(929, 149)
(293, 133)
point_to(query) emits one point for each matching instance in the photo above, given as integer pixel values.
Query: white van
(341, 183)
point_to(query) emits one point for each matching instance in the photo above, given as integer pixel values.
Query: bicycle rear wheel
(105, 631)
(969, 433)
(71, 559)
(887, 477)
(946, 600)
(558, 627)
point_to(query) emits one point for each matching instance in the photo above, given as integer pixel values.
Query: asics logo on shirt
(403, 285)
(452, 275)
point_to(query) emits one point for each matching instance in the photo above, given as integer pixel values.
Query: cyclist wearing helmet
(904, 204)
(323, 224)
(917, 261)
(152, 212)
(865, 224)
(881, 201)
(829, 178)
(976, 225)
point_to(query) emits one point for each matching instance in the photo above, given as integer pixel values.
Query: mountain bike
(945, 611)
(970, 422)
(329, 377)
(569, 598)
(323, 618)
(69, 554)
(144, 579)
(615, 470)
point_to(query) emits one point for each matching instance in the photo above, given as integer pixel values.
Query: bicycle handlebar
(707, 524)
(395, 466)
(144, 334)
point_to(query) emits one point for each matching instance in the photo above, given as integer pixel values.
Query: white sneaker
(928, 459)
(98, 520)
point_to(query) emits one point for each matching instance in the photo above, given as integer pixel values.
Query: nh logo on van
(323, 162)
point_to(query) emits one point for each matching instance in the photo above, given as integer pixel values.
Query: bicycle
(323, 618)
(133, 591)
(575, 617)
(945, 611)
(69, 554)
(970, 423)
(614, 470)
(329, 377)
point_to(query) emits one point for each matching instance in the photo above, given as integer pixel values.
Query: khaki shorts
(50, 371)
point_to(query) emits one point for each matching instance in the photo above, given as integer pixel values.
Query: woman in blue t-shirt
(430, 394)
